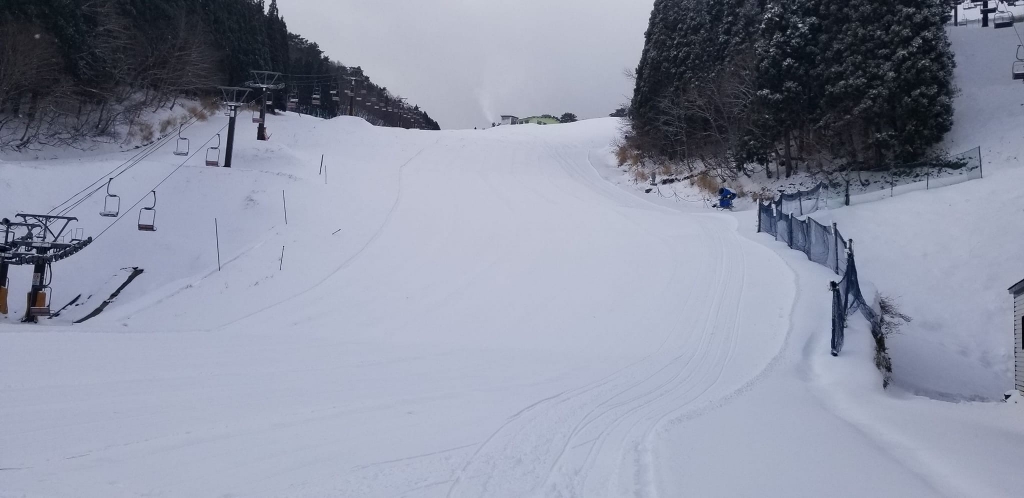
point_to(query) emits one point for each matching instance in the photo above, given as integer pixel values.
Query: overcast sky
(468, 61)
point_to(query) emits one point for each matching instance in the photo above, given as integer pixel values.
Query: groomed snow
(464, 313)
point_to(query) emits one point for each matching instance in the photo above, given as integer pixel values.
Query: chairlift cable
(130, 163)
(140, 201)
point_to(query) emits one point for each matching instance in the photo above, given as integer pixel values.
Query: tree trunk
(789, 154)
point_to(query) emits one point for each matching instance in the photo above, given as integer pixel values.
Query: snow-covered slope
(481, 313)
(482, 299)
(948, 255)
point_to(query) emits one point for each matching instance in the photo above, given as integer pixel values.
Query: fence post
(790, 231)
(838, 319)
(758, 216)
(801, 203)
(847, 192)
(216, 231)
(928, 179)
(284, 201)
(981, 166)
(835, 243)
(775, 218)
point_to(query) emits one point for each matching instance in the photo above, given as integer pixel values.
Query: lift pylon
(234, 97)
(265, 81)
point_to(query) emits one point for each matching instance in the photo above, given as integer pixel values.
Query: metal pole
(261, 131)
(835, 243)
(790, 230)
(981, 166)
(281, 266)
(284, 201)
(984, 14)
(216, 231)
(758, 216)
(231, 136)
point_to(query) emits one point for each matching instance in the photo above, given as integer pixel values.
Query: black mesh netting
(766, 223)
(803, 202)
(827, 247)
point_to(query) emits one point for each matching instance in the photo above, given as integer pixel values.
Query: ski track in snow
(495, 319)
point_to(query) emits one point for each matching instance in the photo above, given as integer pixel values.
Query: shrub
(146, 132)
(167, 123)
(210, 105)
(889, 323)
(706, 183)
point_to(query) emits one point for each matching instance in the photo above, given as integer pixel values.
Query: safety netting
(826, 246)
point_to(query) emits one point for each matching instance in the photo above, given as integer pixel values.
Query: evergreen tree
(788, 93)
(277, 41)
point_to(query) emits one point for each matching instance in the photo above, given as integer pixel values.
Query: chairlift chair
(213, 154)
(969, 6)
(256, 116)
(316, 95)
(41, 306)
(147, 216)
(1002, 20)
(1018, 70)
(111, 203)
(182, 147)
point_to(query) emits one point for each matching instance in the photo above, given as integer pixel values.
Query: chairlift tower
(38, 240)
(264, 80)
(233, 98)
(352, 95)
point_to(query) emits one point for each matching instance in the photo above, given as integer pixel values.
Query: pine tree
(788, 93)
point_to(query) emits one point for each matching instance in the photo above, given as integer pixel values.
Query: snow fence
(888, 181)
(827, 247)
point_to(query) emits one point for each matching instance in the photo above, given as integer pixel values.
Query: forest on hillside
(738, 86)
(77, 69)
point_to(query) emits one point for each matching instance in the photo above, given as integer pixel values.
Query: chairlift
(316, 95)
(213, 154)
(147, 222)
(1018, 70)
(111, 203)
(41, 306)
(256, 116)
(969, 6)
(1002, 19)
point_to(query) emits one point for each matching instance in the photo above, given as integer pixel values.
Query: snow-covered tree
(788, 93)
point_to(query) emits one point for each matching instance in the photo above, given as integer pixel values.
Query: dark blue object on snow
(725, 198)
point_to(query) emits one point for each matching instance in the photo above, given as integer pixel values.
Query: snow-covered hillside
(482, 313)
